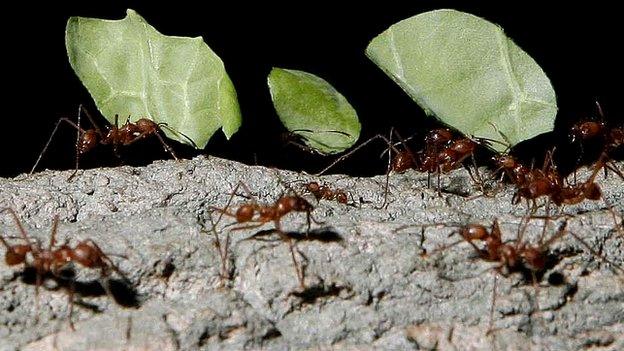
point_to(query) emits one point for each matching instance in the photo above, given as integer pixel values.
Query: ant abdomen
(244, 213)
(16, 255)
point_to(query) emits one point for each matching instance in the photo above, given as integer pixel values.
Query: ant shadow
(323, 235)
(311, 294)
(120, 290)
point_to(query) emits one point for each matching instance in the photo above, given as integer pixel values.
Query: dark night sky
(577, 46)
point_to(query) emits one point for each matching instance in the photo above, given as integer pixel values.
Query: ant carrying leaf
(114, 135)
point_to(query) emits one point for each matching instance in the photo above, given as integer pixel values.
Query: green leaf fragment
(310, 107)
(464, 71)
(131, 69)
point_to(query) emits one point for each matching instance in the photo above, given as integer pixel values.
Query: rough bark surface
(369, 283)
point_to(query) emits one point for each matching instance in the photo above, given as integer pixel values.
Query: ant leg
(70, 302)
(298, 268)
(388, 170)
(105, 258)
(537, 290)
(493, 303)
(166, 146)
(291, 247)
(251, 226)
(348, 154)
(45, 148)
(55, 222)
(546, 220)
(36, 249)
(616, 266)
(611, 166)
(98, 130)
(223, 251)
(224, 211)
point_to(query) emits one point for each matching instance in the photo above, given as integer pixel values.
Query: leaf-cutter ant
(49, 262)
(252, 215)
(114, 135)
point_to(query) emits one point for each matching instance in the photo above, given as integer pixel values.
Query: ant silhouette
(114, 135)
(49, 262)
(253, 215)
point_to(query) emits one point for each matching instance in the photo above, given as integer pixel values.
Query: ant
(609, 137)
(324, 192)
(50, 261)
(515, 255)
(114, 135)
(253, 215)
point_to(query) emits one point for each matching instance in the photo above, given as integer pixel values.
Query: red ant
(114, 135)
(324, 192)
(51, 260)
(253, 215)
(609, 137)
(515, 255)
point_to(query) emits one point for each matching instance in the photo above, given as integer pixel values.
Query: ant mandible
(253, 215)
(48, 262)
(114, 135)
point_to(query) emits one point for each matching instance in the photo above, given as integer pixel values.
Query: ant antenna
(599, 108)
(502, 135)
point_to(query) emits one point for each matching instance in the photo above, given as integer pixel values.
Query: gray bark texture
(375, 278)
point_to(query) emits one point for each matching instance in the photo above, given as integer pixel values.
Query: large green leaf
(464, 70)
(311, 108)
(131, 69)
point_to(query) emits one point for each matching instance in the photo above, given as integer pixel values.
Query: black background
(576, 45)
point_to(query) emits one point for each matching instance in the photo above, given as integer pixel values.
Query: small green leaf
(464, 70)
(131, 69)
(310, 107)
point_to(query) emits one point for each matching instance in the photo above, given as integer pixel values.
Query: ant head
(87, 141)
(313, 187)
(534, 258)
(505, 161)
(464, 146)
(146, 124)
(438, 136)
(586, 130)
